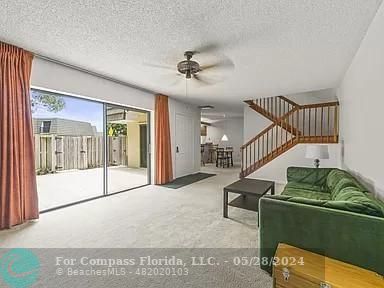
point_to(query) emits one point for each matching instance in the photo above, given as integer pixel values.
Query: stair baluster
(285, 116)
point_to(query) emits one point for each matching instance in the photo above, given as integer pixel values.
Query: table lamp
(317, 152)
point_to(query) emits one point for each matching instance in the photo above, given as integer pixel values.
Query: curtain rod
(42, 57)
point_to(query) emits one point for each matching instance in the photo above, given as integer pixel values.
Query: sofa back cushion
(355, 200)
(340, 185)
(338, 179)
(312, 176)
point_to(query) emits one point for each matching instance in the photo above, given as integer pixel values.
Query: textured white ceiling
(277, 46)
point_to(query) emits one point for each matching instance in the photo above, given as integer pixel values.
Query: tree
(116, 129)
(50, 102)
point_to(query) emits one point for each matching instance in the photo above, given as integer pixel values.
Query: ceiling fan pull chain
(186, 88)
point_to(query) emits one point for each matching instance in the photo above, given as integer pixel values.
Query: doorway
(127, 153)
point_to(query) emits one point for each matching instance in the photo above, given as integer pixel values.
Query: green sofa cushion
(336, 175)
(307, 201)
(331, 188)
(305, 193)
(353, 199)
(313, 176)
(365, 206)
(302, 200)
(305, 186)
(341, 184)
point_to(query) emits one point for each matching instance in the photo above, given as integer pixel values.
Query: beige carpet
(151, 217)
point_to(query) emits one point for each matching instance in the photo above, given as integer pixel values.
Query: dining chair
(212, 153)
(221, 158)
(229, 154)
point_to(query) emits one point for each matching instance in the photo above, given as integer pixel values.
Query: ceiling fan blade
(206, 48)
(228, 43)
(223, 64)
(162, 66)
(171, 79)
(203, 80)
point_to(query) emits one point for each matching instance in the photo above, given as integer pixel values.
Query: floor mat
(186, 180)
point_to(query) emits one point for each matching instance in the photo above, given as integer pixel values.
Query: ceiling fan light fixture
(188, 67)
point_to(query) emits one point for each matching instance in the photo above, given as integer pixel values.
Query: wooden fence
(57, 153)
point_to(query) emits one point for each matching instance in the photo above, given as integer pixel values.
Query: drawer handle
(325, 285)
(285, 273)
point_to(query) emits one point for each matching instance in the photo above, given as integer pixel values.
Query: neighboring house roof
(60, 126)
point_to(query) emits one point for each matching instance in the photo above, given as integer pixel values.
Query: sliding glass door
(127, 148)
(69, 148)
(86, 149)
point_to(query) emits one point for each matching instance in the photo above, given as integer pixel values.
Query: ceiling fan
(191, 69)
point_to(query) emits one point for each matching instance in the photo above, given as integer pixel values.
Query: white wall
(312, 97)
(63, 79)
(361, 95)
(177, 107)
(133, 144)
(233, 128)
(59, 78)
(276, 170)
(254, 123)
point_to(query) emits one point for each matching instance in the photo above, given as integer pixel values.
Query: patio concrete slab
(74, 185)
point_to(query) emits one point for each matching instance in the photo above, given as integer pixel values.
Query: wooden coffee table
(250, 190)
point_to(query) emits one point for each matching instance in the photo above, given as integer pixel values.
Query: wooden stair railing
(269, 144)
(273, 108)
(313, 123)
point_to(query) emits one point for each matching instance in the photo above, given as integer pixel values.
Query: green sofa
(326, 211)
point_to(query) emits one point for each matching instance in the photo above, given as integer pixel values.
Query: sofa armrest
(342, 235)
(314, 176)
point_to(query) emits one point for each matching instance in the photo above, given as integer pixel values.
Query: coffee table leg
(225, 206)
(273, 189)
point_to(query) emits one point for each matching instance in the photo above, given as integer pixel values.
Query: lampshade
(317, 152)
(224, 138)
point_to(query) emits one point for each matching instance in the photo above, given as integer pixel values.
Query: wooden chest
(297, 268)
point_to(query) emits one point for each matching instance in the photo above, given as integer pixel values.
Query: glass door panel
(69, 148)
(127, 144)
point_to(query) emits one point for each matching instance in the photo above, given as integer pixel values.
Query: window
(45, 127)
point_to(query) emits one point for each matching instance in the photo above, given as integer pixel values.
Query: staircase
(291, 124)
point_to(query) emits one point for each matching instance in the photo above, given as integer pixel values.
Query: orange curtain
(18, 195)
(164, 173)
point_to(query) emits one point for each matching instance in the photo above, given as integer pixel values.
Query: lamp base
(316, 163)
